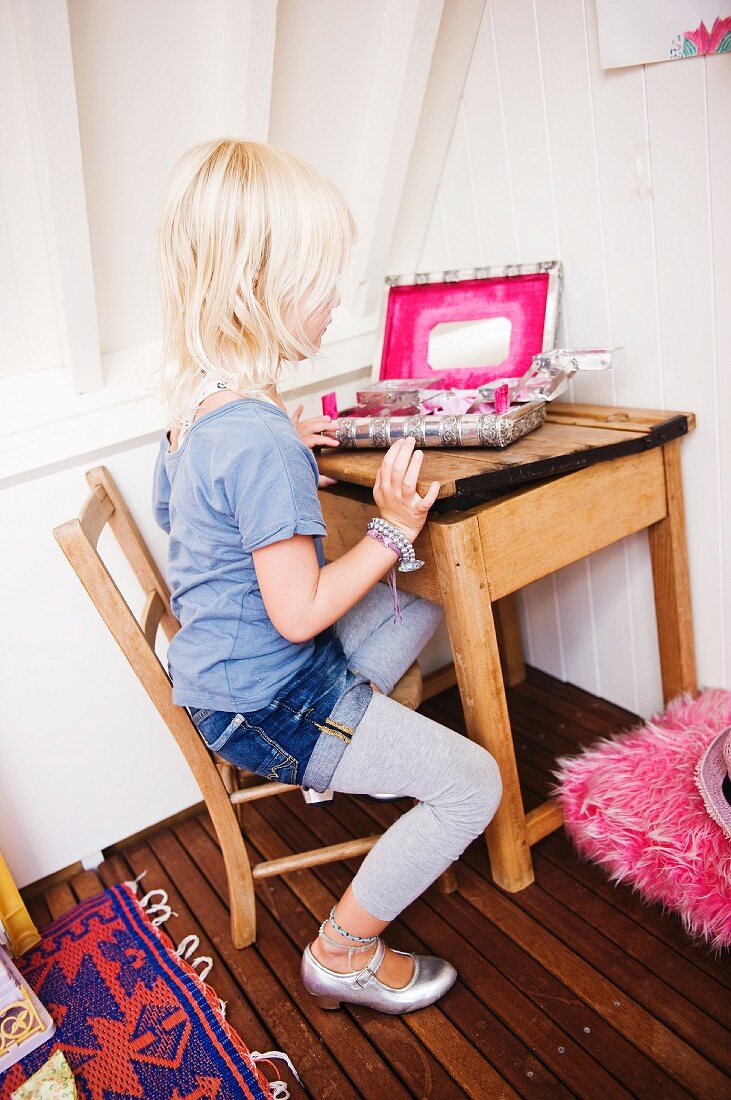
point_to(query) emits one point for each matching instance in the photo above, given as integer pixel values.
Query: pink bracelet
(382, 537)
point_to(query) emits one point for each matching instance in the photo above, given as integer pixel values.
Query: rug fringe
(278, 1089)
(133, 882)
(187, 947)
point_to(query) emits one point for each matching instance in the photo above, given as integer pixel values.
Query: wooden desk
(590, 476)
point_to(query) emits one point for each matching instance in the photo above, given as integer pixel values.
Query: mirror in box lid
(468, 327)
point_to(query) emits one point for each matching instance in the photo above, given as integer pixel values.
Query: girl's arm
(161, 488)
(310, 432)
(300, 598)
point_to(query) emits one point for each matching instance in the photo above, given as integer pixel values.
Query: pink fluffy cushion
(632, 806)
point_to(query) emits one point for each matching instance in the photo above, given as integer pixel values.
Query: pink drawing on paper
(702, 41)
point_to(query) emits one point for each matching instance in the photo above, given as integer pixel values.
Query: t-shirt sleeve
(161, 487)
(275, 489)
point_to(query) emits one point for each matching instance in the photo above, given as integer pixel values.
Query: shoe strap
(364, 976)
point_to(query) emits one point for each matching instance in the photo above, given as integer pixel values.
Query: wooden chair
(224, 787)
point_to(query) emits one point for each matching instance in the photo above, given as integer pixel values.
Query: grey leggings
(400, 752)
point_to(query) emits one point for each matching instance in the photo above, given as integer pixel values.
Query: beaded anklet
(359, 943)
(344, 946)
(347, 935)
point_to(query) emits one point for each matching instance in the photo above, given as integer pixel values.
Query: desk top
(573, 436)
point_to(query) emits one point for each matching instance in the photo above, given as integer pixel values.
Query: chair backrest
(136, 637)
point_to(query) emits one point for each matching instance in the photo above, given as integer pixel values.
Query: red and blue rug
(133, 1019)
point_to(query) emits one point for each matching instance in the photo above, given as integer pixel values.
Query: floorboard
(573, 987)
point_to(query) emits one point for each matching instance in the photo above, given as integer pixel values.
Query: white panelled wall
(625, 176)
(463, 132)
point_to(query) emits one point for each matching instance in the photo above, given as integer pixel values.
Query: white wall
(624, 175)
(29, 338)
(84, 755)
(321, 84)
(149, 83)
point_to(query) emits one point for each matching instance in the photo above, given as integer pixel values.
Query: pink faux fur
(631, 805)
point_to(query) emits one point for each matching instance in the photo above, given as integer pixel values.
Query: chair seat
(409, 689)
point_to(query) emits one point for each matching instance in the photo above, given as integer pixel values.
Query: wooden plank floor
(569, 988)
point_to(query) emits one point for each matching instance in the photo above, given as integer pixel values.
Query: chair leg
(243, 921)
(447, 881)
(230, 775)
(226, 821)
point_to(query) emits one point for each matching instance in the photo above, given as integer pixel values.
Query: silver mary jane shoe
(431, 979)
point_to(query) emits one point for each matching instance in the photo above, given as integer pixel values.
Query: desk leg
(505, 613)
(669, 554)
(468, 612)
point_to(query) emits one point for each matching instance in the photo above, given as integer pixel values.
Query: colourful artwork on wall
(637, 32)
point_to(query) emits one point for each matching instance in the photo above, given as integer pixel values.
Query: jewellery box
(467, 359)
(446, 339)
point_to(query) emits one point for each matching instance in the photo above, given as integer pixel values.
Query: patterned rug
(133, 1019)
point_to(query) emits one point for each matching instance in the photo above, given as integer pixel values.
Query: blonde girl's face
(316, 324)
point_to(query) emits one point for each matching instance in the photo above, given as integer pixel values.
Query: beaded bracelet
(390, 536)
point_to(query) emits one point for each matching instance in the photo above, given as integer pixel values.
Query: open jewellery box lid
(467, 327)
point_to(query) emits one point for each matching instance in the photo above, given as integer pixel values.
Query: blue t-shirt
(241, 479)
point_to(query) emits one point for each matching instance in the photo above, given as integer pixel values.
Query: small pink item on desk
(502, 398)
(330, 405)
(452, 404)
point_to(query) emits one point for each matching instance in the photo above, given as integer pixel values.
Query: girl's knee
(431, 613)
(481, 787)
(420, 612)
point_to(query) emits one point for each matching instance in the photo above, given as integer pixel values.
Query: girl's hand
(308, 433)
(395, 489)
(310, 429)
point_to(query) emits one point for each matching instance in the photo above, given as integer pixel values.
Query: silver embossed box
(442, 429)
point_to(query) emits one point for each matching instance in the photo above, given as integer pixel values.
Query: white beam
(250, 27)
(455, 45)
(399, 81)
(44, 44)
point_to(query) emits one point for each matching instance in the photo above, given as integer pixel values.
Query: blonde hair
(250, 244)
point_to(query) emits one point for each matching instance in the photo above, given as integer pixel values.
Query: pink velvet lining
(413, 311)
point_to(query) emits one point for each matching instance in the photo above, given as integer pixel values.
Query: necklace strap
(212, 384)
(208, 386)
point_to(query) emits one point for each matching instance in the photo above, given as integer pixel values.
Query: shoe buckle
(364, 976)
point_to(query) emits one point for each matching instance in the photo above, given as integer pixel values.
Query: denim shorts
(301, 735)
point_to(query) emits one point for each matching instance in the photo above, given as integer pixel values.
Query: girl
(284, 663)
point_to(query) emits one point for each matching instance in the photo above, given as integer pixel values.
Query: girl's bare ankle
(340, 960)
